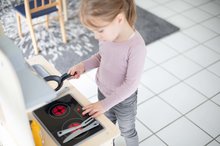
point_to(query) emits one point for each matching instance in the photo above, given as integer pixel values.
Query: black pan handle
(58, 79)
(65, 76)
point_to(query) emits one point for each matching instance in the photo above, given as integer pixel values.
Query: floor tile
(216, 99)
(200, 33)
(207, 117)
(179, 42)
(197, 2)
(162, 11)
(152, 141)
(181, 21)
(205, 82)
(181, 67)
(156, 114)
(214, 143)
(211, 8)
(162, 1)
(143, 132)
(85, 85)
(159, 52)
(213, 24)
(146, 4)
(158, 79)
(215, 68)
(214, 44)
(144, 93)
(93, 99)
(183, 97)
(197, 15)
(92, 74)
(120, 141)
(218, 139)
(148, 64)
(178, 5)
(183, 133)
(203, 56)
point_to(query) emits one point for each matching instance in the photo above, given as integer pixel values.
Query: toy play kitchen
(58, 114)
(62, 117)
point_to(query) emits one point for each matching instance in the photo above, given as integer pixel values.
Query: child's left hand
(94, 109)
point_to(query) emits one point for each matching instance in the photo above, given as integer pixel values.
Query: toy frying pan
(58, 79)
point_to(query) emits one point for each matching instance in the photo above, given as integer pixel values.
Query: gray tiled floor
(179, 98)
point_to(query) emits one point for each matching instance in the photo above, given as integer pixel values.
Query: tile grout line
(183, 54)
(193, 61)
(198, 7)
(182, 115)
(180, 80)
(215, 139)
(153, 134)
(183, 81)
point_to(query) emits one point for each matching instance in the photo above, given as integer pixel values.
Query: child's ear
(120, 17)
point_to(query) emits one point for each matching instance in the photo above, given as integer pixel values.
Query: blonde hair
(106, 10)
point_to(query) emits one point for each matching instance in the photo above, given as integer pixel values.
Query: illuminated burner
(73, 123)
(78, 110)
(59, 110)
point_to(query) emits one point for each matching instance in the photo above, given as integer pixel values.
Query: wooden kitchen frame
(102, 138)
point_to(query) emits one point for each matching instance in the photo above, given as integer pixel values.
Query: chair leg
(47, 21)
(64, 5)
(19, 25)
(62, 27)
(36, 49)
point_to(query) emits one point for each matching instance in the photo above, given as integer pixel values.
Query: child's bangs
(89, 22)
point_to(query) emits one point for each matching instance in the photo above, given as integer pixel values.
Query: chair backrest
(39, 5)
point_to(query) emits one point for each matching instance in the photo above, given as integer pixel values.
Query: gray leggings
(124, 113)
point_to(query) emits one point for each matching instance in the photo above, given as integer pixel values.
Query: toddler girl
(120, 62)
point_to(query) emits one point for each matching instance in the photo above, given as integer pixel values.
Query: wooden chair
(31, 9)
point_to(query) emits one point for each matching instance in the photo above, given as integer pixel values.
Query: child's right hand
(77, 70)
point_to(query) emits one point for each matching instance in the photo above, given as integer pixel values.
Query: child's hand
(77, 70)
(94, 109)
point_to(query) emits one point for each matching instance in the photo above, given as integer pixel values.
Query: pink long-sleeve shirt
(120, 66)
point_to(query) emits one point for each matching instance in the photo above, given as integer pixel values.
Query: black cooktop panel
(61, 114)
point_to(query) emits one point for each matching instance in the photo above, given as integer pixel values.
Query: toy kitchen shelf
(101, 138)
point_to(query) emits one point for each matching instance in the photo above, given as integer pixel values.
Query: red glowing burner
(59, 110)
(74, 125)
